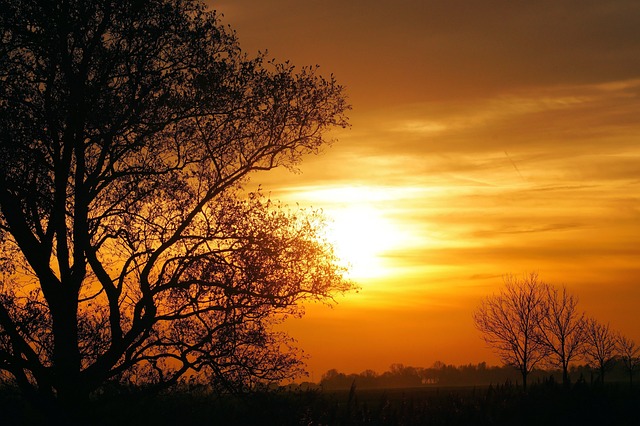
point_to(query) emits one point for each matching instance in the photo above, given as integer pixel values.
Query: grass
(543, 404)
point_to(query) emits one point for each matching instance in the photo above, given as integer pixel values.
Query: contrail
(514, 166)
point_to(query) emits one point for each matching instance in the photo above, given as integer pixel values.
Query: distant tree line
(532, 324)
(441, 374)
(401, 376)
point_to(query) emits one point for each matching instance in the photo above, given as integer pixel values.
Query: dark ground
(543, 404)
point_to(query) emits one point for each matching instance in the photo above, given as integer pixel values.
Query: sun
(364, 224)
(361, 235)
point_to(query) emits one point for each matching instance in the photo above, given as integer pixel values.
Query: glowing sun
(364, 225)
(360, 236)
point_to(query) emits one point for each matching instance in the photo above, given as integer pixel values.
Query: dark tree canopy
(126, 131)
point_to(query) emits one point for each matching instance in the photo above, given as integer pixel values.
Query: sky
(487, 138)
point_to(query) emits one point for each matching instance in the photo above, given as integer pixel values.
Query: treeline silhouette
(444, 375)
(532, 324)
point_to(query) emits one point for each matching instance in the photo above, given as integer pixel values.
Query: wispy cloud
(501, 136)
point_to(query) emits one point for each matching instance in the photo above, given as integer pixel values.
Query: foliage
(126, 131)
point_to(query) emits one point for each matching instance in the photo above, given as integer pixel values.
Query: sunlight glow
(368, 225)
(361, 235)
(362, 227)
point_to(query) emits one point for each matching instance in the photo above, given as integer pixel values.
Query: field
(543, 404)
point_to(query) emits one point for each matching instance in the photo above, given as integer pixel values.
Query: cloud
(393, 52)
(501, 135)
(564, 119)
(525, 229)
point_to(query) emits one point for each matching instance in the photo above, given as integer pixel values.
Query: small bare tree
(561, 330)
(630, 355)
(509, 320)
(600, 345)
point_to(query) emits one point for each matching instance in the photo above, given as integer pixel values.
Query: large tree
(126, 130)
(509, 322)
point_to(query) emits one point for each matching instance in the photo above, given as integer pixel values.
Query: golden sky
(488, 138)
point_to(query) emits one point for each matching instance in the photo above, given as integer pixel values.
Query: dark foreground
(543, 404)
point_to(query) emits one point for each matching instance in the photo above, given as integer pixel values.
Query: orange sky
(487, 138)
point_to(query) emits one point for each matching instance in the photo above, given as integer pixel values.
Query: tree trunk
(72, 395)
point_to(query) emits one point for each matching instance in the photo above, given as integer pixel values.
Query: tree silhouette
(509, 322)
(561, 330)
(601, 345)
(126, 131)
(630, 355)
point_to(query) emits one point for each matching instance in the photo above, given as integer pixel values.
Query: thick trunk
(71, 393)
(565, 376)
